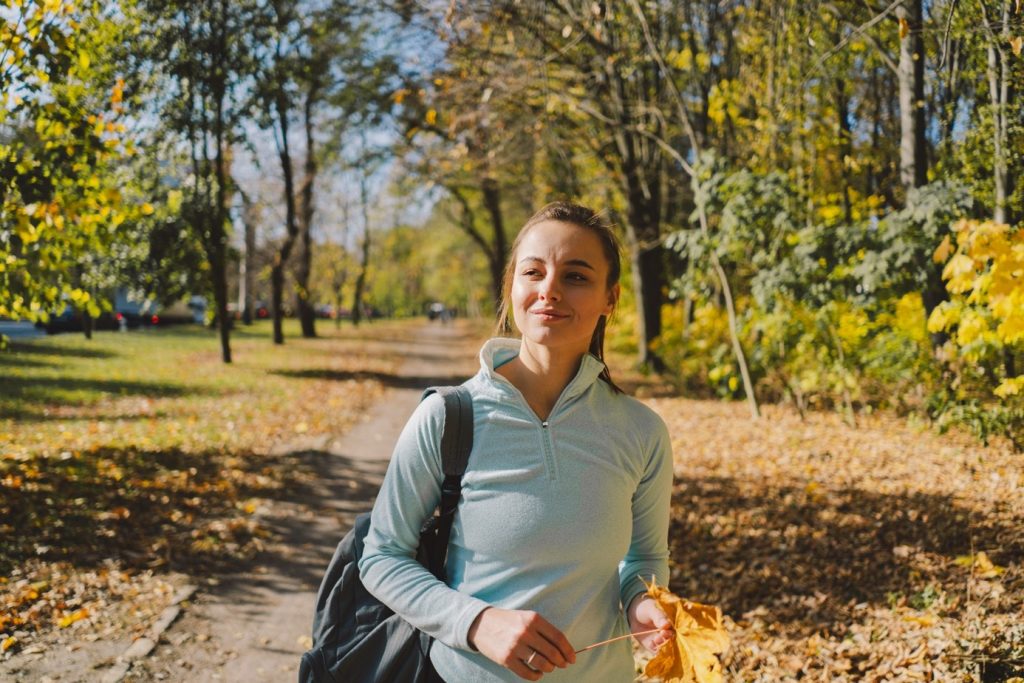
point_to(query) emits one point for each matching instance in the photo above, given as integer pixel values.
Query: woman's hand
(645, 615)
(521, 641)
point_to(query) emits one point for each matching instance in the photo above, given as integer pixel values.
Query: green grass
(144, 448)
(169, 388)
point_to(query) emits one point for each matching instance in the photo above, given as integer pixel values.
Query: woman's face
(559, 287)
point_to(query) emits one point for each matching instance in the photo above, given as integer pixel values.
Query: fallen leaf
(8, 643)
(77, 615)
(923, 620)
(982, 566)
(692, 656)
(985, 568)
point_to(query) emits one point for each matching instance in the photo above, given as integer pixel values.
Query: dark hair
(582, 217)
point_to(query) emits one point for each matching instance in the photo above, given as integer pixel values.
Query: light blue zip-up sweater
(561, 517)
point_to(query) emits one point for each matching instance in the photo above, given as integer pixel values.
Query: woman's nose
(549, 290)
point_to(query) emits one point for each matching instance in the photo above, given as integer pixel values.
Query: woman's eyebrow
(571, 262)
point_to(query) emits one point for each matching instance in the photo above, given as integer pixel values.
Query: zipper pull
(544, 424)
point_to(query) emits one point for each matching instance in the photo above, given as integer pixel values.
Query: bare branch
(856, 32)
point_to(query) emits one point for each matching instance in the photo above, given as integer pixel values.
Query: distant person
(436, 310)
(565, 502)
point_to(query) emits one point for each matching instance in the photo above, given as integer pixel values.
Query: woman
(565, 501)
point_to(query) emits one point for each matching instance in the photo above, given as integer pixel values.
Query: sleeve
(409, 494)
(648, 548)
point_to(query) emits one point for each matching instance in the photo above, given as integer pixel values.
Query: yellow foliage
(985, 277)
(1010, 387)
(692, 655)
(682, 59)
(830, 212)
(854, 325)
(972, 326)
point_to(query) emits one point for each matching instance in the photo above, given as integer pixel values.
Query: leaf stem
(612, 640)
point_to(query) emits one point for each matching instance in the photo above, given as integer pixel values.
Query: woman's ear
(613, 298)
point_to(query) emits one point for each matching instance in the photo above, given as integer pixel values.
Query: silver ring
(529, 660)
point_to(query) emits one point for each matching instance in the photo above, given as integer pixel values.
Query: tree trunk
(218, 229)
(281, 258)
(997, 72)
(307, 316)
(499, 242)
(845, 146)
(495, 254)
(87, 324)
(913, 150)
(248, 263)
(364, 264)
(647, 267)
(913, 159)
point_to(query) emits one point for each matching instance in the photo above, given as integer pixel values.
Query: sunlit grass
(142, 450)
(168, 388)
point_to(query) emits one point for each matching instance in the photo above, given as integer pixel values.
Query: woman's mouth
(549, 314)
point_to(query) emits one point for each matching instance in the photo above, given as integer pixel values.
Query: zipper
(549, 457)
(545, 426)
(545, 432)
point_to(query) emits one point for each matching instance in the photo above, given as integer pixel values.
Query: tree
(204, 52)
(320, 69)
(61, 142)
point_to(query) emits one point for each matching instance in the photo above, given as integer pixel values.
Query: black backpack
(356, 638)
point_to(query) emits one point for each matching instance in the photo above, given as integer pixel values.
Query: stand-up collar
(500, 350)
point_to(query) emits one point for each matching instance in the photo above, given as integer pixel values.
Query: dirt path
(253, 626)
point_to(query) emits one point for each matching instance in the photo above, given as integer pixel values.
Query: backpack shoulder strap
(457, 435)
(456, 445)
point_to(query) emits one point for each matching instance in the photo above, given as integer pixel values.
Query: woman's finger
(540, 658)
(528, 672)
(555, 646)
(547, 652)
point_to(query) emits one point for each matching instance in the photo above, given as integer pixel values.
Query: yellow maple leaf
(692, 656)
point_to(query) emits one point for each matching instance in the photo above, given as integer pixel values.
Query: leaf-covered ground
(875, 551)
(135, 461)
(880, 551)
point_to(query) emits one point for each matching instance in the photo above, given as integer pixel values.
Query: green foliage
(830, 311)
(413, 267)
(61, 142)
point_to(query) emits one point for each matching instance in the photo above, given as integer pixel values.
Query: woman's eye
(577, 277)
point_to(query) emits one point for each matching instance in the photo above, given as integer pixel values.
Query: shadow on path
(167, 508)
(304, 522)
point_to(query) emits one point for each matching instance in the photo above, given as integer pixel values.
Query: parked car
(72, 320)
